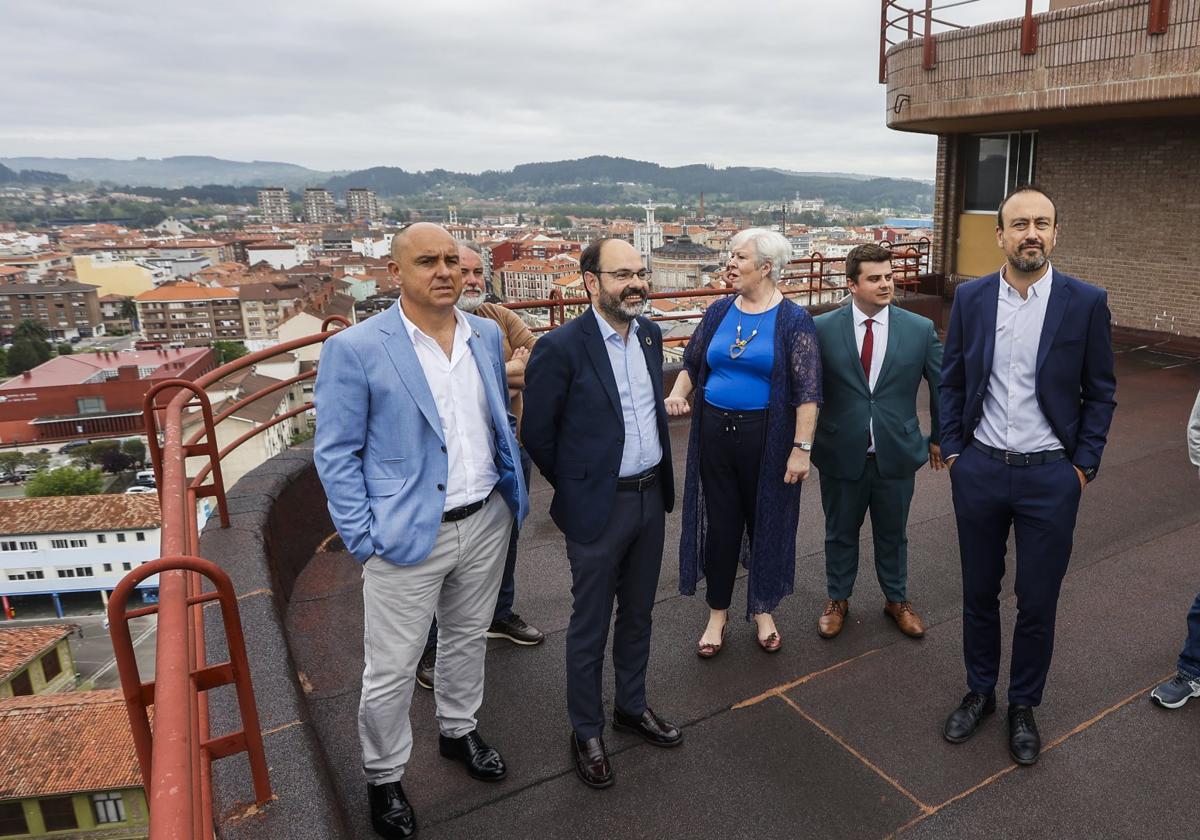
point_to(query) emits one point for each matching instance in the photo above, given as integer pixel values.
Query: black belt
(455, 514)
(1021, 459)
(639, 483)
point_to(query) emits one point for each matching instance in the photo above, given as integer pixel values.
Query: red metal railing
(175, 755)
(899, 23)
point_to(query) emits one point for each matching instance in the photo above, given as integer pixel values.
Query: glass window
(58, 813)
(51, 665)
(120, 538)
(58, 543)
(108, 567)
(8, 545)
(102, 538)
(141, 537)
(90, 405)
(22, 684)
(12, 819)
(994, 165)
(127, 566)
(29, 545)
(109, 807)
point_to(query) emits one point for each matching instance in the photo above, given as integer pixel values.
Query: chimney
(127, 373)
(27, 375)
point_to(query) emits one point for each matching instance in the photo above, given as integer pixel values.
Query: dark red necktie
(868, 345)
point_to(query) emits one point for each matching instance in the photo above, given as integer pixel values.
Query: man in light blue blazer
(417, 452)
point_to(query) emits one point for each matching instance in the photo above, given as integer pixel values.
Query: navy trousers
(1039, 504)
(622, 564)
(1189, 658)
(508, 583)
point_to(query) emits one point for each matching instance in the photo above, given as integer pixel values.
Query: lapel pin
(647, 340)
(476, 333)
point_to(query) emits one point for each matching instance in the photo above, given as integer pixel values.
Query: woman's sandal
(771, 644)
(707, 650)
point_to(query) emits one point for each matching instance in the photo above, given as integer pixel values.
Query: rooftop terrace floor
(832, 738)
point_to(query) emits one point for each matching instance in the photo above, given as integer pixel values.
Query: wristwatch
(806, 446)
(1088, 472)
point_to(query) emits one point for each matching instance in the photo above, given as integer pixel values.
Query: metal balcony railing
(175, 755)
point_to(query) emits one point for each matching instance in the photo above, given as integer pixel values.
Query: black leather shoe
(1024, 742)
(964, 720)
(483, 762)
(650, 726)
(425, 668)
(591, 761)
(391, 815)
(516, 630)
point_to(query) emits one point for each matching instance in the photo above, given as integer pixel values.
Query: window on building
(90, 405)
(66, 573)
(12, 819)
(26, 574)
(995, 164)
(110, 807)
(127, 566)
(29, 545)
(102, 538)
(51, 665)
(120, 538)
(58, 813)
(108, 567)
(83, 571)
(22, 684)
(79, 543)
(8, 545)
(141, 536)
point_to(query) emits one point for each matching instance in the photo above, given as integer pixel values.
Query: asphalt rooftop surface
(833, 738)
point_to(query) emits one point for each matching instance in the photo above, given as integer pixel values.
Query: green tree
(227, 351)
(135, 449)
(38, 460)
(65, 349)
(65, 481)
(21, 357)
(31, 329)
(558, 221)
(90, 455)
(129, 312)
(9, 461)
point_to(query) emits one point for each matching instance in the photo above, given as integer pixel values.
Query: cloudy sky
(466, 85)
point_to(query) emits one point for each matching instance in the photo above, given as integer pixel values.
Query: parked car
(145, 478)
(137, 488)
(73, 445)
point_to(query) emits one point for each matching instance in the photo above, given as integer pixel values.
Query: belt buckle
(646, 481)
(1019, 459)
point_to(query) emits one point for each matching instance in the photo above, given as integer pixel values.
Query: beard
(1028, 264)
(619, 308)
(469, 301)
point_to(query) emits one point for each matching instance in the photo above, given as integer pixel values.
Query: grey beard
(616, 308)
(470, 304)
(1027, 264)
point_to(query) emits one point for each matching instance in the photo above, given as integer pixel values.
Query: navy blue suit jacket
(573, 427)
(1075, 387)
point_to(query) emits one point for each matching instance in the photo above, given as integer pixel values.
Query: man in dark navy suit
(1027, 397)
(596, 428)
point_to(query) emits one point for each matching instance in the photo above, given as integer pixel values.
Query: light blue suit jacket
(380, 450)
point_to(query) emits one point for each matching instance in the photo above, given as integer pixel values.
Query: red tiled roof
(186, 291)
(73, 742)
(21, 645)
(77, 514)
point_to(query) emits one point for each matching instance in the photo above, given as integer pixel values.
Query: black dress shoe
(650, 726)
(483, 762)
(425, 667)
(391, 815)
(1024, 742)
(964, 720)
(516, 630)
(591, 761)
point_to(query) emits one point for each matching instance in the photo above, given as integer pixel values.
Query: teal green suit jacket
(913, 353)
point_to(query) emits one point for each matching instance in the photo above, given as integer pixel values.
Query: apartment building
(68, 310)
(265, 306)
(275, 206)
(190, 314)
(362, 205)
(532, 279)
(319, 208)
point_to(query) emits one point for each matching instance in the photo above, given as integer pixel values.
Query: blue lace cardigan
(795, 379)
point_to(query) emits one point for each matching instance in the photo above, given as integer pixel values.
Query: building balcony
(1076, 63)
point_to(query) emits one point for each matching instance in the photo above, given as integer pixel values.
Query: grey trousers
(459, 581)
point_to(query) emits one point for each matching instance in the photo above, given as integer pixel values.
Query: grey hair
(768, 245)
(471, 245)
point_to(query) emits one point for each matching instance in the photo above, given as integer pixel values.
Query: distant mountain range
(591, 180)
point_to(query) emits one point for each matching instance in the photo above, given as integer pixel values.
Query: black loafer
(591, 761)
(650, 726)
(964, 720)
(1024, 742)
(391, 815)
(483, 762)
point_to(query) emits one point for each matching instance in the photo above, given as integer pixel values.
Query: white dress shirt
(463, 410)
(1012, 419)
(642, 449)
(879, 339)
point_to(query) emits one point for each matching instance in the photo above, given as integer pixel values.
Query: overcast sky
(465, 86)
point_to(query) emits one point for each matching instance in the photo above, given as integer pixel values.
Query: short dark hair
(871, 252)
(1022, 189)
(589, 260)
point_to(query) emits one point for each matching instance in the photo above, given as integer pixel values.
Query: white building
(63, 544)
(280, 255)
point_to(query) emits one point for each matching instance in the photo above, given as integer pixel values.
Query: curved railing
(900, 22)
(175, 755)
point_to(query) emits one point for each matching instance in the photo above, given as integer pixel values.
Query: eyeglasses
(625, 275)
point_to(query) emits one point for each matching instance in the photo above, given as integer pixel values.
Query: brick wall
(1129, 199)
(1094, 56)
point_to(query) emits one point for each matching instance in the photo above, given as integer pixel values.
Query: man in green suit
(868, 443)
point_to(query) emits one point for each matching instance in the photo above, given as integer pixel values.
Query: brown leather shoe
(906, 618)
(831, 621)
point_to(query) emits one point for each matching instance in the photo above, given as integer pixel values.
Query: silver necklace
(739, 344)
